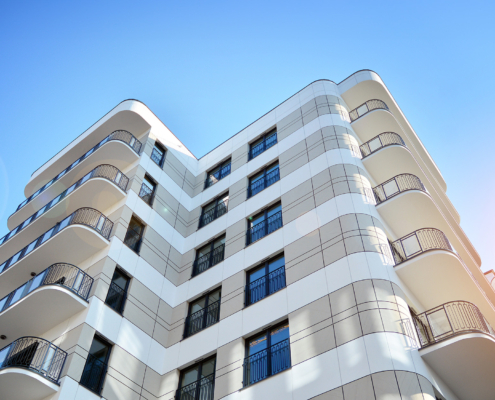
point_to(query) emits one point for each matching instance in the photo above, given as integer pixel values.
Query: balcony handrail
(379, 142)
(449, 320)
(83, 216)
(202, 319)
(202, 389)
(261, 184)
(60, 274)
(208, 260)
(264, 286)
(105, 171)
(366, 107)
(34, 354)
(263, 228)
(93, 374)
(219, 175)
(268, 141)
(397, 185)
(213, 213)
(120, 135)
(419, 242)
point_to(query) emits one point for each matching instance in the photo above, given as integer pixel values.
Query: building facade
(313, 255)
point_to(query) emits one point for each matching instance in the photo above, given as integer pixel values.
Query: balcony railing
(122, 136)
(202, 389)
(217, 176)
(35, 354)
(448, 320)
(267, 362)
(116, 297)
(379, 142)
(147, 194)
(213, 213)
(84, 216)
(93, 374)
(133, 240)
(398, 184)
(105, 171)
(202, 319)
(65, 275)
(265, 286)
(263, 146)
(208, 260)
(157, 156)
(365, 108)
(419, 242)
(261, 184)
(263, 228)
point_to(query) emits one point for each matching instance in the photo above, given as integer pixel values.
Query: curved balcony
(458, 342)
(73, 239)
(106, 180)
(379, 142)
(366, 107)
(121, 147)
(397, 185)
(30, 368)
(63, 289)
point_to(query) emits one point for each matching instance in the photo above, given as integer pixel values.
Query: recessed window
(96, 365)
(209, 255)
(117, 292)
(264, 223)
(197, 382)
(267, 354)
(134, 234)
(203, 313)
(217, 173)
(158, 154)
(268, 176)
(262, 144)
(147, 192)
(265, 279)
(214, 210)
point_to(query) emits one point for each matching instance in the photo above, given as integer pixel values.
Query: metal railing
(213, 213)
(419, 242)
(157, 157)
(261, 184)
(133, 240)
(268, 142)
(378, 142)
(35, 354)
(116, 297)
(66, 275)
(263, 228)
(398, 184)
(267, 362)
(448, 320)
(219, 175)
(105, 171)
(208, 260)
(265, 286)
(93, 374)
(366, 107)
(147, 194)
(202, 389)
(202, 319)
(83, 216)
(122, 136)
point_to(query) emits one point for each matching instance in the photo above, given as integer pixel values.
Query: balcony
(73, 240)
(213, 213)
(121, 147)
(379, 142)
(202, 389)
(265, 286)
(201, 264)
(30, 368)
(459, 344)
(264, 228)
(202, 319)
(366, 107)
(52, 296)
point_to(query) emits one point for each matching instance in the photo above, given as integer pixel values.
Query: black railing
(34, 354)
(262, 183)
(147, 194)
(213, 213)
(267, 362)
(202, 389)
(263, 228)
(116, 297)
(418, 242)
(378, 142)
(448, 320)
(122, 136)
(202, 319)
(105, 171)
(84, 216)
(263, 146)
(365, 108)
(208, 260)
(219, 175)
(398, 184)
(93, 374)
(133, 240)
(265, 286)
(66, 275)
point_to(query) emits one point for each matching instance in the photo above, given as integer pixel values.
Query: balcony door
(96, 365)
(198, 382)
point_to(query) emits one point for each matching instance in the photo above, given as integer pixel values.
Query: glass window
(117, 292)
(147, 191)
(265, 279)
(209, 255)
(134, 234)
(217, 173)
(264, 223)
(203, 312)
(197, 382)
(263, 179)
(94, 370)
(158, 154)
(263, 144)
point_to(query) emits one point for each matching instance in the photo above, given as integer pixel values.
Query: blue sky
(208, 69)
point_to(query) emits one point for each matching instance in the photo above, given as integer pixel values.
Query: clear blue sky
(209, 68)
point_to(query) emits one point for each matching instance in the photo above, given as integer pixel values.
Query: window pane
(37, 281)
(189, 376)
(208, 368)
(271, 168)
(257, 344)
(119, 279)
(99, 349)
(148, 183)
(214, 296)
(274, 210)
(279, 334)
(197, 305)
(16, 258)
(219, 242)
(257, 274)
(276, 264)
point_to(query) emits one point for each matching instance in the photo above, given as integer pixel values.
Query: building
(313, 255)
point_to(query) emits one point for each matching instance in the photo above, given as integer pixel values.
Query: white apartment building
(313, 255)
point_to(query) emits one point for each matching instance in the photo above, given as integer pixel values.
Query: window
(117, 292)
(134, 235)
(263, 179)
(203, 313)
(214, 210)
(262, 144)
(158, 154)
(217, 173)
(197, 382)
(209, 255)
(264, 223)
(265, 279)
(95, 368)
(147, 192)
(267, 354)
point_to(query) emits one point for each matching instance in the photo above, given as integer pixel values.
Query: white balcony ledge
(21, 384)
(375, 122)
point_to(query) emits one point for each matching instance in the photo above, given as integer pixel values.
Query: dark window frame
(204, 323)
(262, 140)
(142, 192)
(197, 388)
(265, 265)
(125, 290)
(265, 221)
(210, 254)
(263, 173)
(139, 241)
(216, 211)
(222, 174)
(103, 373)
(159, 147)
